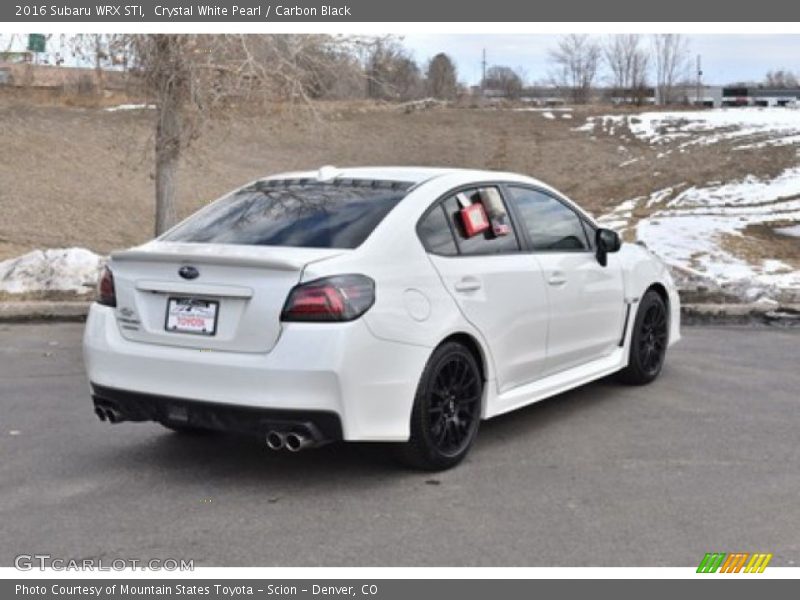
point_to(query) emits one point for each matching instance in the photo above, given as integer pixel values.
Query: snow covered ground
(752, 127)
(62, 269)
(699, 230)
(692, 229)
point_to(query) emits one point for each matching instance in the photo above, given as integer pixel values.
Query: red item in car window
(474, 219)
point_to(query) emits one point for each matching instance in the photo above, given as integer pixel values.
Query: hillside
(83, 176)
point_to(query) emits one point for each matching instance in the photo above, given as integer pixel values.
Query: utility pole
(483, 72)
(699, 81)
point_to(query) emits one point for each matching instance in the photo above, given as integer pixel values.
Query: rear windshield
(340, 214)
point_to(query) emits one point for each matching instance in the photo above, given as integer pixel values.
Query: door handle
(557, 278)
(468, 284)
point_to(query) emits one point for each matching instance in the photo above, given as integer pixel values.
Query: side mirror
(606, 241)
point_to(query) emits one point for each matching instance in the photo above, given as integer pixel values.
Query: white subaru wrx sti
(373, 304)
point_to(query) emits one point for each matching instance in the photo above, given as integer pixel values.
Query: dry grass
(759, 242)
(83, 177)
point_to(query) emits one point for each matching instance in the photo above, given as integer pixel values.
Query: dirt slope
(81, 176)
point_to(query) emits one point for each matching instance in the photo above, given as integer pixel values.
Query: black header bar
(255, 11)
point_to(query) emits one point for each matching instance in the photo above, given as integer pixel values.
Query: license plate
(191, 315)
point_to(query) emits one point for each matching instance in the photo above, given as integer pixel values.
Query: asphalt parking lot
(705, 459)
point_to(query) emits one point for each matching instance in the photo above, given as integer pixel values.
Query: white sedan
(389, 304)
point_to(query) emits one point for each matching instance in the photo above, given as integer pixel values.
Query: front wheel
(648, 341)
(447, 410)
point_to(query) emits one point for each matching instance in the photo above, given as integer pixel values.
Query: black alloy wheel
(648, 342)
(653, 338)
(447, 409)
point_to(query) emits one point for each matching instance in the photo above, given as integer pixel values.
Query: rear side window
(294, 213)
(551, 225)
(436, 234)
(487, 242)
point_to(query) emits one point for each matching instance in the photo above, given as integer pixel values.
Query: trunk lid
(247, 284)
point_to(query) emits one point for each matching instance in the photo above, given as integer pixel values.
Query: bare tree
(576, 59)
(781, 79)
(639, 76)
(671, 52)
(407, 79)
(441, 77)
(628, 63)
(332, 72)
(189, 76)
(506, 79)
(391, 72)
(101, 50)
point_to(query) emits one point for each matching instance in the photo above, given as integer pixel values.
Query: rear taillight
(338, 298)
(106, 295)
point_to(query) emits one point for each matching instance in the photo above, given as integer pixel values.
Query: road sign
(36, 42)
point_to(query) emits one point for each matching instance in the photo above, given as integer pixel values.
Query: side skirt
(557, 383)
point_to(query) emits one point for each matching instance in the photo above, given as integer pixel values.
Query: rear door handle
(468, 284)
(557, 278)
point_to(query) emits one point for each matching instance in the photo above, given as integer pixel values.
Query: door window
(551, 225)
(498, 238)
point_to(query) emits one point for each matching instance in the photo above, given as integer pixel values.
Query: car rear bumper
(340, 369)
(120, 405)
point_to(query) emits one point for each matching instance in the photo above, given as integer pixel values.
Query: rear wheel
(648, 341)
(447, 410)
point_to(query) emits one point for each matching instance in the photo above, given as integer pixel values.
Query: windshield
(311, 214)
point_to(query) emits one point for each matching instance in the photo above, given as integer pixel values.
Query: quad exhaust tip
(113, 416)
(275, 440)
(297, 441)
(292, 441)
(108, 413)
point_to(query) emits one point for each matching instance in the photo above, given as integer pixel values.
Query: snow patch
(693, 230)
(589, 126)
(550, 109)
(755, 127)
(62, 269)
(130, 107)
(793, 231)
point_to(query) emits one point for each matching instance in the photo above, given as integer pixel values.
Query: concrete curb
(32, 311)
(691, 314)
(740, 314)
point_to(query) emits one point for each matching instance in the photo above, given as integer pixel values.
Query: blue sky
(726, 58)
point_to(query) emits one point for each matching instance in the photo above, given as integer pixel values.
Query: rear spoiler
(240, 260)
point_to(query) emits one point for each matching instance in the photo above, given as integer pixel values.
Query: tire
(648, 341)
(447, 409)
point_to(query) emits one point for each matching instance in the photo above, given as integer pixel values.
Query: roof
(433, 177)
(413, 175)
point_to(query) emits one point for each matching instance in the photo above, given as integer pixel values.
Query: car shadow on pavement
(211, 455)
(541, 415)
